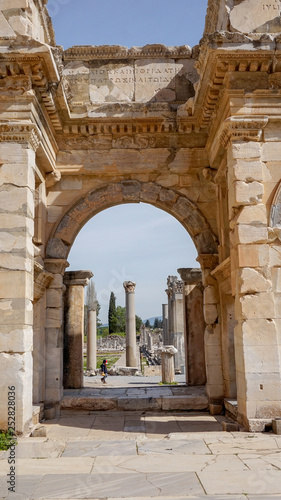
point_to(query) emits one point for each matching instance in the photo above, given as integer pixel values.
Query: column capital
(77, 278)
(20, 132)
(129, 286)
(56, 266)
(208, 261)
(190, 275)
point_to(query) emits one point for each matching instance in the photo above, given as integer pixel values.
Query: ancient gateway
(195, 132)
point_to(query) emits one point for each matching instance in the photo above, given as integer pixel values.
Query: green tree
(156, 323)
(112, 314)
(120, 319)
(138, 323)
(147, 324)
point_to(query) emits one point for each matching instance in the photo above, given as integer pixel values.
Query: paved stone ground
(137, 456)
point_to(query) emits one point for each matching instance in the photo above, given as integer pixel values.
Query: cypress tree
(112, 314)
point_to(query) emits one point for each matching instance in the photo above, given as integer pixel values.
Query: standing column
(17, 180)
(131, 342)
(75, 281)
(165, 324)
(92, 340)
(194, 326)
(176, 325)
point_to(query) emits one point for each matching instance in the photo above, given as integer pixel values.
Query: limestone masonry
(193, 131)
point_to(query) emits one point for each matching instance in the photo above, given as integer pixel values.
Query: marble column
(165, 324)
(131, 342)
(75, 281)
(176, 326)
(168, 353)
(194, 326)
(92, 340)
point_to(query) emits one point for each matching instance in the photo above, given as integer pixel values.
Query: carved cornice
(90, 53)
(77, 278)
(23, 133)
(222, 273)
(129, 286)
(237, 128)
(190, 276)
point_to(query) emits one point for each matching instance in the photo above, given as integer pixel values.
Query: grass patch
(168, 383)
(111, 360)
(6, 438)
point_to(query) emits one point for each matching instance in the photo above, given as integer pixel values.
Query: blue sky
(131, 242)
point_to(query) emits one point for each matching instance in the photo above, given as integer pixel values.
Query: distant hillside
(151, 320)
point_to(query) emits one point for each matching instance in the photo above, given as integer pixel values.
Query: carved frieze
(20, 132)
(134, 142)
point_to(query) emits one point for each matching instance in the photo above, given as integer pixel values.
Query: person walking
(104, 371)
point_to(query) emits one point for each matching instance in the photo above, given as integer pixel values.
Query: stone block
(185, 403)
(251, 214)
(155, 80)
(230, 427)
(215, 392)
(271, 151)
(244, 150)
(8, 261)
(212, 335)
(142, 403)
(17, 174)
(210, 295)
(16, 284)
(253, 332)
(39, 432)
(276, 426)
(210, 313)
(248, 171)
(275, 256)
(16, 340)
(16, 370)
(245, 234)
(17, 4)
(253, 255)
(50, 413)
(214, 372)
(54, 298)
(18, 200)
(53, 318)
(260, 305)
(252, 281)
(247, 193)
(91, 404)
(71, 184)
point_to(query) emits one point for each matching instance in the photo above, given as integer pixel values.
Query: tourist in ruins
(104, 371)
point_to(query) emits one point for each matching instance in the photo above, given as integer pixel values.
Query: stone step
(231, 408)
(73, 403)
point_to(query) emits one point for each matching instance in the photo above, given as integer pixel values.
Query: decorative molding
(242, 127)
(129, 286)
(190, 276)
(56, 266)
(208, 261)
(42, 280)
(155, 51)
(130, 142)
(223, 271)
(20, 132)
(52, 178)
(77, 278)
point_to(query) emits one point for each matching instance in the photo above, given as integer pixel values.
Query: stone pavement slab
(99, 448)
(176, 447)
(24, 487)
(242, 482)
(87, 486)
(256, 443)
(32, 449)
(32, 467)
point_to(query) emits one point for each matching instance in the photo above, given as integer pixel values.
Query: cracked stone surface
(138, 456)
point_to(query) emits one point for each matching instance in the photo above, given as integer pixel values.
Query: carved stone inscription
(248, 15)
(143, 80)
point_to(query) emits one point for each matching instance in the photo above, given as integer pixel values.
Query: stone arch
(275, 212)
(97, 200)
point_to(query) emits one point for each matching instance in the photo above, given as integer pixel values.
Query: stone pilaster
(194, 326)
(18, 143)
(131, 342)
(54, 332)
(256, 332)
(75, 281)
(212, 336)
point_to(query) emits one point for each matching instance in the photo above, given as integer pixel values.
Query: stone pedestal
(92, 340)
(194, 326)
(149, 341)
(168, 353)
(75, 281)
(165, 324)
(131, 342)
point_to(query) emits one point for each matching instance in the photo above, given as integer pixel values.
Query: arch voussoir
(131, 191)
